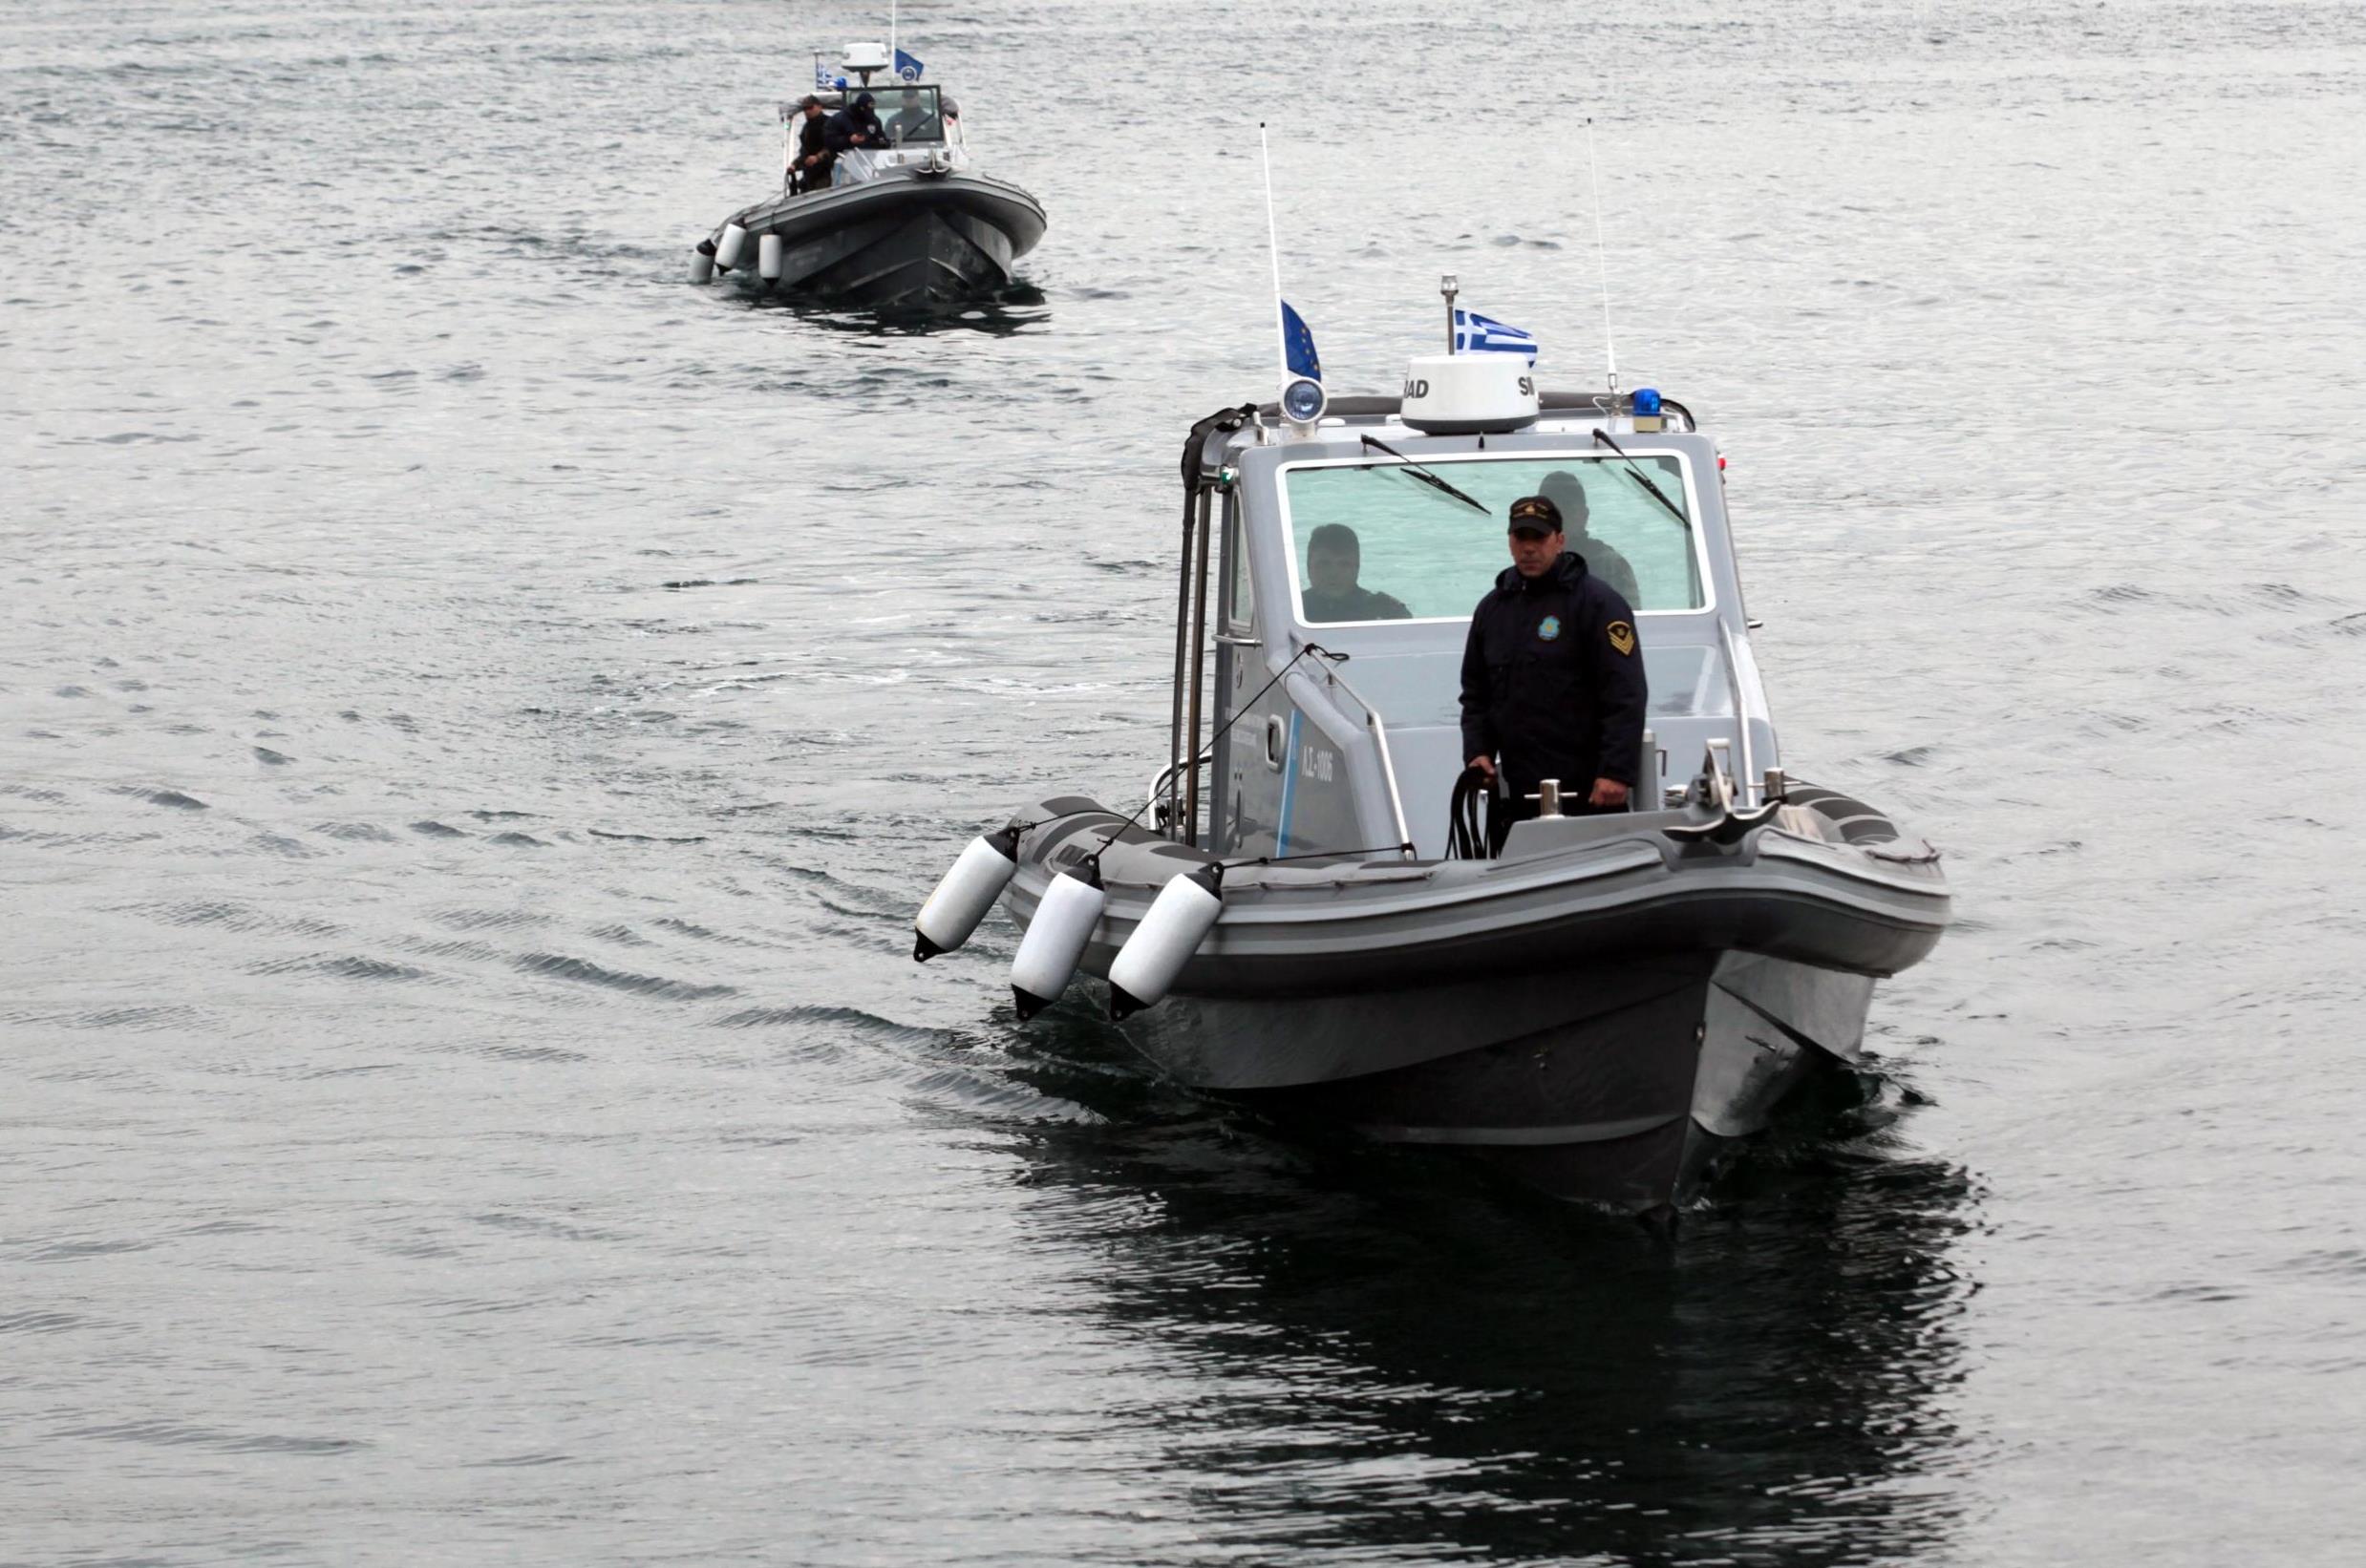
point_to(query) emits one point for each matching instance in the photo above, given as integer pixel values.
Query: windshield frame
(1440, 462)
(932, 95)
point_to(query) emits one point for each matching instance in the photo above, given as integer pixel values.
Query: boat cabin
(922, 126)
(1326, 532)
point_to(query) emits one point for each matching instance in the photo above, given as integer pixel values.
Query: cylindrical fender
(727, 249)
(768, 257)
(1063, 924)
(967, 892)
(702, 261)
(1180, 919)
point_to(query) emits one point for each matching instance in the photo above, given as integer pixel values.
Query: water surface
(476, 715)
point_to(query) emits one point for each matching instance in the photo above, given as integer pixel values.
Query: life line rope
(1466, 824)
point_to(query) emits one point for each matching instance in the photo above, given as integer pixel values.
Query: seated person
(911, 120)
(1335, 555)
(1561, 488)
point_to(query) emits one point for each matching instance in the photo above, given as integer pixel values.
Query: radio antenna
(1273, 249)
(1610, 354)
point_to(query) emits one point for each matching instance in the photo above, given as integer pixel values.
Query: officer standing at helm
(1552, 678)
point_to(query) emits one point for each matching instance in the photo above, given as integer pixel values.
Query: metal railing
(1748, 778)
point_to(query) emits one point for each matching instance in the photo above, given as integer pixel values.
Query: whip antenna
(1610, 354)
(1273, 249)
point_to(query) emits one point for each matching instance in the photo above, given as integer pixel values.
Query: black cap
(1535, 514)
(809, 101)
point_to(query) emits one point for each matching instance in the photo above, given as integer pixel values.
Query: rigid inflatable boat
(911, 222)
(1599, 1010)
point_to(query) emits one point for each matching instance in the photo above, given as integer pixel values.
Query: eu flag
(907, 65)
(1298, 346)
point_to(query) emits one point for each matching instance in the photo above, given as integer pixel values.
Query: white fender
(1180, 919)
(768, 258)
(1063, 924)
(968, 890)
(702, 263)
(727, 249)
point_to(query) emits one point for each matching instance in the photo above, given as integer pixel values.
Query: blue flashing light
(1646, 402)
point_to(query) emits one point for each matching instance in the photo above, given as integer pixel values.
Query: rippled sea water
(477, 714)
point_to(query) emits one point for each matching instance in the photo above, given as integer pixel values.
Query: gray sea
(477, 714)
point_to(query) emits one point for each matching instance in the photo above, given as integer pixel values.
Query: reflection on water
(1390, 1357)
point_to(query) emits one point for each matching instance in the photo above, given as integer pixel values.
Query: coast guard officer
(1552, 677)
(810, 169)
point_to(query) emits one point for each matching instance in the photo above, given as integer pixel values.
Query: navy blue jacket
(839, 131)
(1552, 680)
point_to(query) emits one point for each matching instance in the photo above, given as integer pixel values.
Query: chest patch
(1548, 628)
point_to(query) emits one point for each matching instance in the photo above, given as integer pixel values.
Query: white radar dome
(1461, 394)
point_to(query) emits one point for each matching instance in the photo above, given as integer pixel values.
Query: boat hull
(1621, 1085)
(899, 240)
(1601, 1017)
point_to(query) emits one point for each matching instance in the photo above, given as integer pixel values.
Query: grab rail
(1749, 780)
(1388, 763)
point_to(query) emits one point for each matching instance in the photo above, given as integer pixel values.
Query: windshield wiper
(1426, 477)
(1674, 511)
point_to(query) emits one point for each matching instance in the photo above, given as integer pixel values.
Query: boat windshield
(911, 117)
(1371, 543)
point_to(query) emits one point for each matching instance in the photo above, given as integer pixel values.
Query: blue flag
(1478, 334)
(907, 65)
(1298, 346)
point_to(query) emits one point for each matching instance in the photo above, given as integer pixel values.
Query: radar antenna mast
(1610, 352)
(1273, 249)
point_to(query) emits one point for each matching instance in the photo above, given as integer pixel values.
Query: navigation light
(1302, 401)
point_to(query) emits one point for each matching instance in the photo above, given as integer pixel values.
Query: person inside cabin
(1552, 679)
(1561, 488)
(1334, 557)
(809, 168)
(910, 119)
(855, 126)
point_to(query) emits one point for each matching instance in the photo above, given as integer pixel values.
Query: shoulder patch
(1621, 636)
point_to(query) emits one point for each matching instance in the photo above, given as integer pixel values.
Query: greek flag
(822, 78)
(1298, 345)
(1478, 334)
(907, 65)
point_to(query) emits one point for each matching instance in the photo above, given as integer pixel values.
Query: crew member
(809, 166)
(1561, 488)
(911, 120)
(1552, 678)
(857, 125)
(1334, 555)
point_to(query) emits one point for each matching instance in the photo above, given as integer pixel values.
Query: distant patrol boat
(910, 223)
(1299, 914)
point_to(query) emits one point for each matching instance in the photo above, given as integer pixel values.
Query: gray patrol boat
(907, 223)
(1606, 1006)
